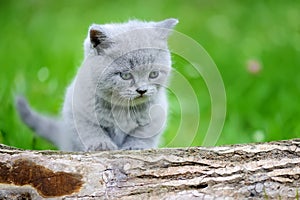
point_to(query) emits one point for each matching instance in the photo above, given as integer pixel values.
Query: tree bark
(250, 171)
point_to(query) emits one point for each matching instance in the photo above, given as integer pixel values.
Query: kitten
(117, 99)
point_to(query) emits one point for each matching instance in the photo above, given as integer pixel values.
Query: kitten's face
(133, 59)
(135, 77)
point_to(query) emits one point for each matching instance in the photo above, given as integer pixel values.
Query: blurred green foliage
(255, 44)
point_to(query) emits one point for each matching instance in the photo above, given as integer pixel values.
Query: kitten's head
(131, 60)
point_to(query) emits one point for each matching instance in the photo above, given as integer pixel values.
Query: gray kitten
(117, 99)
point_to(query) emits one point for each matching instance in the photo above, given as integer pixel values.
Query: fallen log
(249, 171)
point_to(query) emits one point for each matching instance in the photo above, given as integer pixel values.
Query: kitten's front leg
(101, 144)
(147, 136)
(97, 140)
(143, 137)
(135, 143)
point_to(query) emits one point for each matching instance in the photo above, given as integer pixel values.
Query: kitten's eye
(125, 75)
(153, 74)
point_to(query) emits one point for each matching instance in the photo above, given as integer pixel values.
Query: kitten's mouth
(141, 98)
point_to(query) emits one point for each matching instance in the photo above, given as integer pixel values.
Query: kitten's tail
(47, 127)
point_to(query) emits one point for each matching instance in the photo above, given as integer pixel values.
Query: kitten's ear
(166, 26)
(167, 23)
(98, 38)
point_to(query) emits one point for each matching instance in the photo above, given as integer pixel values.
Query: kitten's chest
(120, 122)
(126, 119)
(130, 118)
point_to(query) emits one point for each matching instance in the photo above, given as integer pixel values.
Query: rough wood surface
(251, 171)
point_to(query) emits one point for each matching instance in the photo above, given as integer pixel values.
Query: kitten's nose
(141, 91)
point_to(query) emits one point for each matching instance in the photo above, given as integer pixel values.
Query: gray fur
(105, 107)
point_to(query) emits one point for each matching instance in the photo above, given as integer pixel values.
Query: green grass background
(41, 49)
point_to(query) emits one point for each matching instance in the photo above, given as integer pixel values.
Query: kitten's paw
(132, 148)
(103, 146)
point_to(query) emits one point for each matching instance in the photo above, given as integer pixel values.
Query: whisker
(134, 111)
